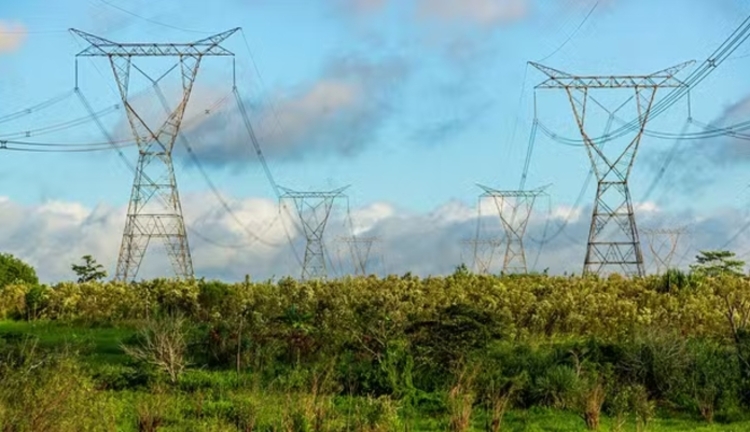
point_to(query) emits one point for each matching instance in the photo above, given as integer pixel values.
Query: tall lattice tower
(613, 236)
(155, 210)
(663, 245)
(514, 209)
(314, 209)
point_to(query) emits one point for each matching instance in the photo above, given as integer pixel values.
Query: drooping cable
(212, 186)
(152, 21)
(572, 34)
(38, 107)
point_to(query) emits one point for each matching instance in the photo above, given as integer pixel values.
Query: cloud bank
(53, 235)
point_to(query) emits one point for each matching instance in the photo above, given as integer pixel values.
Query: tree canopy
(715, 263)
(13, 269)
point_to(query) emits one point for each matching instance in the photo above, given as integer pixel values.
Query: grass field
(208, 400)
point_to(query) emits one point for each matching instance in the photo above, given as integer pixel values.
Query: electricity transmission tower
(314, 209)
(663, 245)
(360, 249)
(514, 209)
(484, 252)
(613, 237)
(155, 210)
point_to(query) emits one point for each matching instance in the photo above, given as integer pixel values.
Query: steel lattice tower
(663, 245)
(360, 248)
(613, 208)
(484, 250)
(514, 209)
(155, 210)
(314, 209)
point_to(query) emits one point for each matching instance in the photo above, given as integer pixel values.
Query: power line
(572, 34)
(38, 107)
(152, 21)
(732, 43)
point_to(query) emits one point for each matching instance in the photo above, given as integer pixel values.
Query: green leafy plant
(13, 270)
(717, 263)
(89, 271)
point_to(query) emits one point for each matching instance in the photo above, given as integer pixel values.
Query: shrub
(163, 344)
(14, 270)
(49, 392)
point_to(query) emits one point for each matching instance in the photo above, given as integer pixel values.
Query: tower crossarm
(662, 79)
(491, 192)
(100, 47)
(292, 194)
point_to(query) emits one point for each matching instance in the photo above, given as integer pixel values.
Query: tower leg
(620, 246)
(154, 211)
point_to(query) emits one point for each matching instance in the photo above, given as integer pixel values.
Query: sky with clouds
(411, 102)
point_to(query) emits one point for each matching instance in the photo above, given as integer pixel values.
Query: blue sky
(411, 102)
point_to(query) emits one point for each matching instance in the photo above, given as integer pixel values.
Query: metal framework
(613, 208)
(514, 209)
(154, 210)
(663, 245)
(314, 209)
(484, 252)
(360, 249)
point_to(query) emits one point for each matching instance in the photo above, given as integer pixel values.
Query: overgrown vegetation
(459, 353)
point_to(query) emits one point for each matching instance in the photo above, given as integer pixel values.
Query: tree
(715, 263)
(13, 270)
(89, 271)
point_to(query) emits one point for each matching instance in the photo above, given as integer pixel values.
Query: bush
(14, 270)
(163, 344)
(49, 392)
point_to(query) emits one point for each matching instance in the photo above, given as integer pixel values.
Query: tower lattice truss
(663, 245)
(514, 209)
(314, 210)
(613, 241)
(155, 210)
(483, 252)
(360, 249)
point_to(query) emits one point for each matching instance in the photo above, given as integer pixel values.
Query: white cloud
(482, 12)
(361, 6)
(12, 36)
(53, 235)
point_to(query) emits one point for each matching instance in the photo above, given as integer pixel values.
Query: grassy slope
(100, 346)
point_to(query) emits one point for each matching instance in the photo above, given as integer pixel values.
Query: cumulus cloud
(12, 36)
(482, 12)
(339, 114)
(53, 235)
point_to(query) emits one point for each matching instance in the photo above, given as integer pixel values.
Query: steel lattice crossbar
(155, 210)
(101, 47)
(613, 212)
(314, 209)
(661, 79)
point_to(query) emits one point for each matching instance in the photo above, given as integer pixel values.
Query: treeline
(460, 344)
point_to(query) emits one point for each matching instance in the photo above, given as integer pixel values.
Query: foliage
(49, 392)
(14, 270)
(717, 263)
(89, 271)
(314, 354)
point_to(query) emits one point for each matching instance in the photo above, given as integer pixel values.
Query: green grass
(204, 400)
(98, 345)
